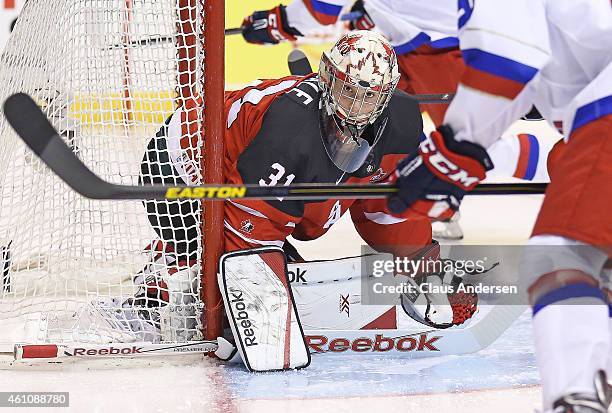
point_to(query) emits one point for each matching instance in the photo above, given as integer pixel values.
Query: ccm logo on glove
(444, 163)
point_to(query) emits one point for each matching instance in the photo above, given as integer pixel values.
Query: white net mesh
(107, 73)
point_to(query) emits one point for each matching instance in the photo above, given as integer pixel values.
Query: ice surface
(501, 378)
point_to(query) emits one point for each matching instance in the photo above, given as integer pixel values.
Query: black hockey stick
(300, 66)
(444, 98)
(298, 63)
(34, 128)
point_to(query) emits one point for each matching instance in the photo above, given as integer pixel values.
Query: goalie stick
(298, 63)
(450, 341)
(31, 124)
(86, 350)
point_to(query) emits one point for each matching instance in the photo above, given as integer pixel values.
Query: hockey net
(107, 73)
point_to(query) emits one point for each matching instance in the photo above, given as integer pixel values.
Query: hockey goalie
(345, 124)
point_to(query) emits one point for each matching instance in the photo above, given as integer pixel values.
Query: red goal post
(215, 125)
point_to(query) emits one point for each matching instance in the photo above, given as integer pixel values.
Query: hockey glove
(434, 181)
(434, 299)
(268, 27)
(362, 20)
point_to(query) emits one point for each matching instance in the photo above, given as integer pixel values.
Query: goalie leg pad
(259, 304)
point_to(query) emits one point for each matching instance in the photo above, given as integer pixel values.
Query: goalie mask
(357, 78)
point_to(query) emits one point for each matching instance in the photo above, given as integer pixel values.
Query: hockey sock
(571, 339)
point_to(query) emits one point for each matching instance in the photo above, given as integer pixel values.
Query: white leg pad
(261, 310)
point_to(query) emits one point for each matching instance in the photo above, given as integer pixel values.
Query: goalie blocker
(261, 310)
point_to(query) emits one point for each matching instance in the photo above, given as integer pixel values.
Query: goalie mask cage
(108, 73)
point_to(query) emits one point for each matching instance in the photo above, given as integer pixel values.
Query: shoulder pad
(405, 124)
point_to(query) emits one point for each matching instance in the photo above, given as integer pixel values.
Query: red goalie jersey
(272, 137)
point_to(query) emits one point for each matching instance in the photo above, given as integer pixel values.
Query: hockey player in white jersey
(557, 55)
(424, 37)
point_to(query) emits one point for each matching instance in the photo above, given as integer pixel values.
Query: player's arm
(504, 46)
(287, 23)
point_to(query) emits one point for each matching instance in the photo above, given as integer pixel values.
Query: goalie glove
(438, 309)
(434, 299)
(268, 27)
(167, 291)
(434, 181)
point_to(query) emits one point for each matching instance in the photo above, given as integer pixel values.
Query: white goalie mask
(357, 78)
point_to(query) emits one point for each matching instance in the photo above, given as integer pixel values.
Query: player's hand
(268, 27)
(362, 20)
(434, 181)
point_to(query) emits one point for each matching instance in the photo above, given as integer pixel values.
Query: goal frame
(199, 86)
(213, 90)
(212, 222)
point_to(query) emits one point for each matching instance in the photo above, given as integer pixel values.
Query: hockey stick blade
(34, 128)
(49, 351)
(298, 63)
(452, 341)
(36, 131)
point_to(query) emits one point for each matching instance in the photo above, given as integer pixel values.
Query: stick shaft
(38, 133)
(161, 39)
(444, 98)
(291, 192)
(233, 30)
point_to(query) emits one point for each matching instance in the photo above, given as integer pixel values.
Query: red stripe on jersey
(322, 18)
(277, 264)
(491, 84)
(261, 231)
(523, 159)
